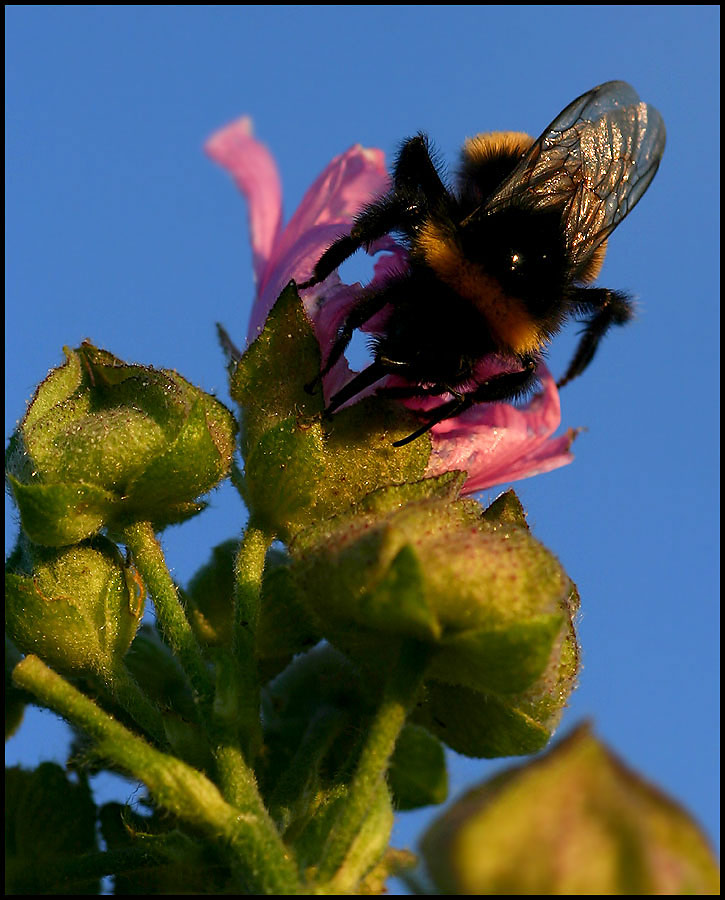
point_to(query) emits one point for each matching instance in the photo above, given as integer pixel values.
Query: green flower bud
(297, 468)
(576, 821)
(489, 599)
(105, 443)
(77, 608)
(487, 724)
(493, 602)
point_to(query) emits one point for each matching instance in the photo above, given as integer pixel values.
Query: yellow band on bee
(510, 323)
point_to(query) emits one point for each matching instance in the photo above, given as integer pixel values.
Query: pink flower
(493, 442)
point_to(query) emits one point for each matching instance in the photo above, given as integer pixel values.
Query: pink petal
(296, 263)
(497, 442)
(326, 212)
(254, 170)
(346, 184)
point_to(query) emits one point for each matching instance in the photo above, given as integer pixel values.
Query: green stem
(255, 849)
(237, 702)
(151, 564)
(219, 715)
(248, 571)
(398, 698)
(125, 691)
(235, 776)
(236, 780)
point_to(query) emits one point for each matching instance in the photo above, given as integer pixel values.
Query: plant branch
(398, 698)
(151, 564)
(124, 690)
(252, 843)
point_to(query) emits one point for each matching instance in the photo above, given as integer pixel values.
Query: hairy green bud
(77, 608)
(105, 443)
(575, 821)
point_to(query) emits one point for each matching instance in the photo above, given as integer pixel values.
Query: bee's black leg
(334, 256)
(606, 308)
(416, 185)
(448, 410)
(377, 219)
(505, 386)
(405, 391)
(366, 307)
(374, 372)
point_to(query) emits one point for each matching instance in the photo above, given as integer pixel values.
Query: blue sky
(120, 230)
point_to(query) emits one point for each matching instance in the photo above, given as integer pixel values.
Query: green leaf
(417, 774)
(392, 497)
(507, 659)
(268, 382)
(199, 456)
(285, 628)
(167, 861)
(155, 667)
(361, 455)
(60, 384)
(209, 596)
(478, 724)
(50, 822)
(398, 604)
(284, 472)
(506, 509)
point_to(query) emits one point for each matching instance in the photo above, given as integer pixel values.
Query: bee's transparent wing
(594, 161)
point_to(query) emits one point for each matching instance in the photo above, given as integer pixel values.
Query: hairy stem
(237, 715)
(254, 848)
(124, 690)
(220, 716)
(248, 571)
(398, 698)
(151, 564)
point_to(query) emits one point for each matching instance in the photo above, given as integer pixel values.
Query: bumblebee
(498, 263)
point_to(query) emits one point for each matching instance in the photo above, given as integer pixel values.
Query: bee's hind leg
(605, 308)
